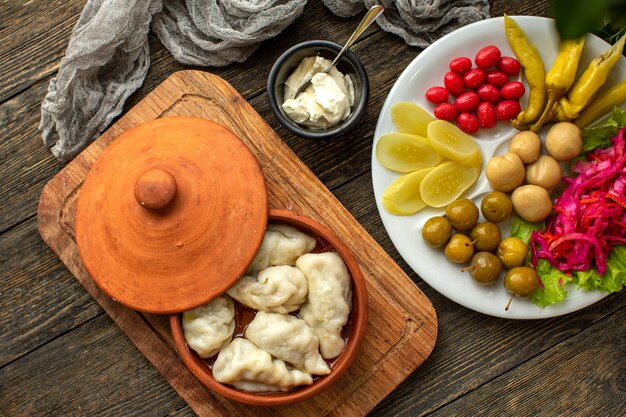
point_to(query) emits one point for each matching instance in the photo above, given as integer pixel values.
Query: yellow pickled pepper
(561, 76)
(602, 104)
(591, 80)
(535, 73)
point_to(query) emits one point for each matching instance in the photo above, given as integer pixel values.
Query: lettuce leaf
(552, 280)
(522, 229)
(600, 136)
(614, 277)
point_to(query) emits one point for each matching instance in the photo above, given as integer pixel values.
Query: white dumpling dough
(248, 367)
(282, 245)
(277, 289)
(210, 327)
(328, 302)
(288, 338)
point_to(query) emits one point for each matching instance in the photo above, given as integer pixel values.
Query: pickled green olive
(459, 249)
(512, 252)
(462, 214)
(521, 281)
(485, 267)
(486, 236)
(437, 231)
(496, 207)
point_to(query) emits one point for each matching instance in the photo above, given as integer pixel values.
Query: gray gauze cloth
(108, 56)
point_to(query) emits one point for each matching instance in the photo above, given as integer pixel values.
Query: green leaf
(600, 136)
(614, 277)
(522, 229)
(553, 281)
(574, 18)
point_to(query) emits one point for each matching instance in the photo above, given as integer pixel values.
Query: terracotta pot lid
(171, 214)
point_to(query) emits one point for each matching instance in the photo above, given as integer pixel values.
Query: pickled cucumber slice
(402, 197)
(449, 141)
(446, 182)
(410, 118)
(405, 153)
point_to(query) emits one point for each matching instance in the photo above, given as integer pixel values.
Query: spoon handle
(367, 20)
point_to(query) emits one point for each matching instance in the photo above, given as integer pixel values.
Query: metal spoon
(367, 20)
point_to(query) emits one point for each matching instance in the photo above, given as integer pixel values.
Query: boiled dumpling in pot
(210, 327)
(282, 245)
(250, 368)
(287, 338)
(328, 302)
(277, 289)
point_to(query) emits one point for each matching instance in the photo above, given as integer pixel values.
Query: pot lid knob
(155, 189)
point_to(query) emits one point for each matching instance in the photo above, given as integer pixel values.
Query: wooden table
(60, 354)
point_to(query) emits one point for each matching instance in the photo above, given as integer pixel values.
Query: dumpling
(282, 245)
(328, 302)
(287, 338)
(248, 367)
(277, 289)
(210, 327)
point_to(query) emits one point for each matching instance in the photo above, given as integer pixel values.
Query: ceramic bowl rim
(359, 325)
(345, 125)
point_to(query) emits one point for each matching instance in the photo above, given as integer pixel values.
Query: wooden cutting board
(402, 326)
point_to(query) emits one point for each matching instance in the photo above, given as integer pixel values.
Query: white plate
(425, 71)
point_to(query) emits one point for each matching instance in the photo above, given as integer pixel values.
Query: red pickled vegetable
(437, 95)
(467, 101)
(474, 78)
(497, 78)
(487, 57)
(445, 111)
(512, 90)
(467, 122)
(590, 214)
(453, 83)
(461, 65)
(507, 109)
(509, 66)
(489, 93)
(486, 115)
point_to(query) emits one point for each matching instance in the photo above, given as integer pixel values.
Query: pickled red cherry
(489, 93)
(512, 90)
(508, 65)
(467, 122)
(467, 101)
(487, 57)
(445, 111)
(461, 65)
(486, 115)
(507, 109)
(474, 78)
(437, 95)
(497, 78)
(453, 83)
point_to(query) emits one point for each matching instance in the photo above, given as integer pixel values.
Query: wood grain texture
(35, 306)
(402, 323)
(33, 39)
(44, 306)
(92, 353)
(600, 381)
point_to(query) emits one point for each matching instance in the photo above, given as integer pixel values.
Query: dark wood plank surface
(61, 355)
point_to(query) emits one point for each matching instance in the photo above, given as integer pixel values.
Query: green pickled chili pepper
(591, 80)
(561, 76)
(602, 104)
(529, 58)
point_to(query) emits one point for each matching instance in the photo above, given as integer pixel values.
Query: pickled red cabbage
(590, 214)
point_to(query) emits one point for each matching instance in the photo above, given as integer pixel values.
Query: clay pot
(358, 324)
(172, 207)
